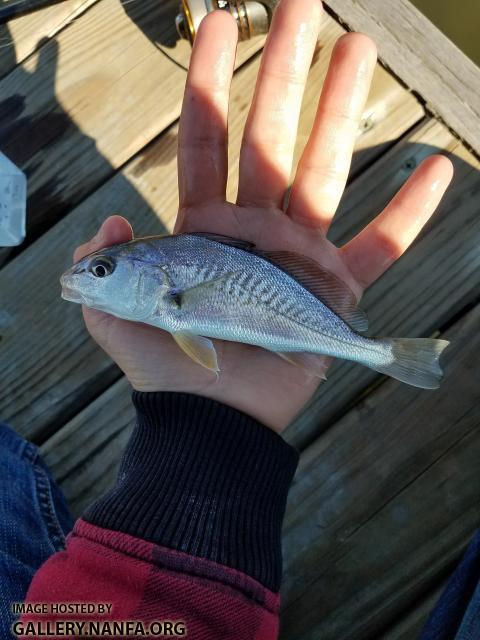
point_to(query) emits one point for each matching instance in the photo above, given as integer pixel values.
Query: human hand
(251, 379)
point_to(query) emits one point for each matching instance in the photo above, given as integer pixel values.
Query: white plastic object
(13, 203)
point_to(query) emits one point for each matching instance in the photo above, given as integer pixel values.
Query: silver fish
(202, 286)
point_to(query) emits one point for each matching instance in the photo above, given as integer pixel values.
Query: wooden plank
(102, 90)
(84, 456)
(21, 37)
(411, 623)
(381, 508)
(385, 502)
(50, 369)
(426, 60)
(437, 277)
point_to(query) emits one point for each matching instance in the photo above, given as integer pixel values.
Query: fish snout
(68, 282)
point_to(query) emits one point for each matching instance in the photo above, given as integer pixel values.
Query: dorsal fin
(323, 284)
(232, 242)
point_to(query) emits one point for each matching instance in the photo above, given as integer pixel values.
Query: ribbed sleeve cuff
(203, 478)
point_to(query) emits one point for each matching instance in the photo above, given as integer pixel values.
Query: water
(459, 21)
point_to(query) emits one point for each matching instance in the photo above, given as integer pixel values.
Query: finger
(114, 230)
(202, 138)
(271, 129)
(323, 169)
(390, 234)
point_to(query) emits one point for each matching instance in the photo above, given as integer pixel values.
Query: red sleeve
(189, 537)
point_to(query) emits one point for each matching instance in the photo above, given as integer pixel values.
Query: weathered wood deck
(387, 493)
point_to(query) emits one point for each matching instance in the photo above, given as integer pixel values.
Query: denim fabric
(34, 520)
(457, 613)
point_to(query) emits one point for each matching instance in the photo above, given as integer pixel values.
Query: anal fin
(315, 365)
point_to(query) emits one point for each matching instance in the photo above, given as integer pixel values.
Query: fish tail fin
(415, 361)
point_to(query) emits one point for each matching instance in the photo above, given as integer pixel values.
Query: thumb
(114, 230)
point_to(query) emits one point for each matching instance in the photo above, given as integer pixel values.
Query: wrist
(205, 479)
(266, 405)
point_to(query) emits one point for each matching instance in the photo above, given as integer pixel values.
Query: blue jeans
(457, 613)
(34, 520)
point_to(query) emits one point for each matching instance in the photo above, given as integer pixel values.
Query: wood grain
(22, 36)
(50, 369)
(385, 502)
(85, 454)
(422, 57)
(410, 623)
(381, 508)
(101, 90)
(432, 282)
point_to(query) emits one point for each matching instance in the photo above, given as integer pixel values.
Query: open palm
(251, 379)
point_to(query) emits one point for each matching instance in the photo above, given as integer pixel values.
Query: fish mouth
(69, 292)
(71, 295)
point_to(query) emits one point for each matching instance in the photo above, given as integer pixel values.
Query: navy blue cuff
(203, 478)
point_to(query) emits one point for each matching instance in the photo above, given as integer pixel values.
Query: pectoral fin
(181, 297)
(201, 350)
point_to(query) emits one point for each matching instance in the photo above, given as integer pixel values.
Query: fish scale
(263, 284)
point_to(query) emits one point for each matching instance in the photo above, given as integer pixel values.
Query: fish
(202, 286)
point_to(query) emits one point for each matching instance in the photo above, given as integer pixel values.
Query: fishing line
(169, 57)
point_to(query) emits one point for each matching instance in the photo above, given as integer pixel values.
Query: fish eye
(102, 266)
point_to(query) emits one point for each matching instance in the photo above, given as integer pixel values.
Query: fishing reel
(253, 17)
